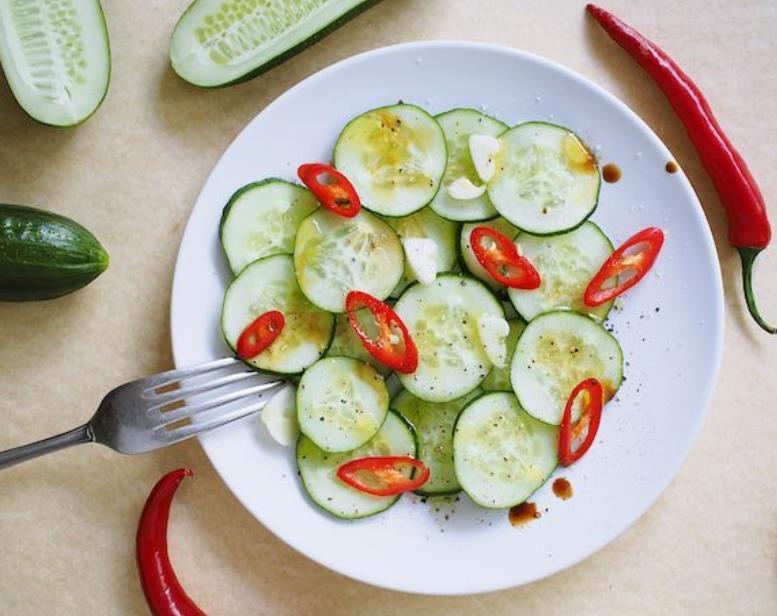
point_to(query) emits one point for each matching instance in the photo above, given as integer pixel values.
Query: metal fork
(163, 409)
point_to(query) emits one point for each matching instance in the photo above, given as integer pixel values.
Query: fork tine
(159, 400)
(180, 434)
(165, 418)
(164, 379)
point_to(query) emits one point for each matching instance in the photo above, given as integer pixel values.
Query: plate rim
(659, 486)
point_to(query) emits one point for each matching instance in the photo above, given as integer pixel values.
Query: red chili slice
(164, 594)
(382, 475)
(393, 345)
(501, 259)
(590, 416)
(336, 194)
(646, 244)
(260, 334)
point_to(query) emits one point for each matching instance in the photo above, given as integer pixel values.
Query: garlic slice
(482, 150)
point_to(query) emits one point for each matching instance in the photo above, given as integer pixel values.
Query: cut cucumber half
(566, 262)
(547, 181)
(335, 255)
(56, 57)
(458, 125)
(425, 224)
(468, 255)
(442, 320)
(501, 454)
(341, 403)
(395, 158)
(499, 378)
(318, 470)
(433, 427)
(218, 43)
(269, 284)
(556, 351)
(261, 220)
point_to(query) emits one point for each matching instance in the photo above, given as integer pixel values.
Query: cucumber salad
(436, 297)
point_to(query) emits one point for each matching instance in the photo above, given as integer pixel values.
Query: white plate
(670, 326)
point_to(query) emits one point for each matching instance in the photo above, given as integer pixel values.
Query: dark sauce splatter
(611, 173)
(562, 488)
(671, 167)
(523, 514)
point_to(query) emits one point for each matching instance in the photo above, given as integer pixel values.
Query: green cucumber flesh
(395, 158)
(499, 378)
(346, 343)
(425, 224)
(45, 255)
(334, 255)
(566, 262)
(269, 284)
(56, 57)
(318, 470)
(433, 426)
(546, 179)
(221, 42)
(442, 320)
(555, 352)
(458, 125)
(501, 454)
(468, 257)
(341, 403)
(261, 220)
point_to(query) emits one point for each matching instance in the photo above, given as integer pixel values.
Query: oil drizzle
(671, 167)
(562, 488)
(523, 514)
(611, 173)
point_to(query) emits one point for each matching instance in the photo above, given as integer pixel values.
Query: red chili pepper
(260, 334)
(648, 243)
(590, 416)
(749, 231)
(337, 194)
(164, 593)
(502, 260)
(393, 345)
(382, 475)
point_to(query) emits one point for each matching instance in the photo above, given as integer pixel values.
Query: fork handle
(78, 436)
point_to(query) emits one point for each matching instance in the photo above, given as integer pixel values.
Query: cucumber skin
(289, 53)
(44, 255)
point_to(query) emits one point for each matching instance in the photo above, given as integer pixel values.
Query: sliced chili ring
(502, 260)
(382, 475)
(260, 334)
(336, 194)
(590, 416)
(393, 345)
(636, 255)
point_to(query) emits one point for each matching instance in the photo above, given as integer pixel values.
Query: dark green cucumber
(219, 43)
(45, 255)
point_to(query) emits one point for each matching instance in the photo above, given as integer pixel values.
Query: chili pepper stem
(748, 256)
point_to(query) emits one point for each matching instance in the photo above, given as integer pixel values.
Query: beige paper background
(132, 173)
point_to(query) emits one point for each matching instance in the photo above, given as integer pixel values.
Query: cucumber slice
(269, 284)
(502, 454)
(261, 220)
(442, 320)
(546, 181)
(433, 427)
(218, 43)
(345, 343)
(566, 263)
(458, 125)
(318, 471)
(426, 224)
(468, 255)
(556, 351)
(394, 156)
(499, 378)
(341, 403)
(56, 57)
(335, 255)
